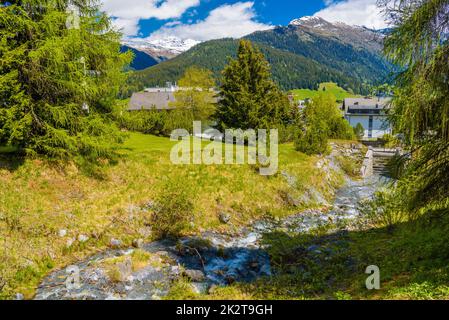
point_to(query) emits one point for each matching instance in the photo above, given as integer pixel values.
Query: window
(370, 127)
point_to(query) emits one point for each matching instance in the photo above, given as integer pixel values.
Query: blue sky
(209, 19)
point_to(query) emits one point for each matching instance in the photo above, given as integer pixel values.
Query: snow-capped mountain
(162, 48)
(357, 36)
(305, 36)
(173, 44)
(307, 20)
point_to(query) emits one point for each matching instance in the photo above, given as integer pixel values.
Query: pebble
(137, 243)
(115, 243)
(69, 242)
(83, 238)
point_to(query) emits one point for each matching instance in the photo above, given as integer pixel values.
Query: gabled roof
(151, 100)
(367, 103)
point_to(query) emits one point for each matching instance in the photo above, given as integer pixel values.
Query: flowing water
(210, 259)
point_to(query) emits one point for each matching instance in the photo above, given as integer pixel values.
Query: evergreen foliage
(249, 98)
(59, 78)
(420, 45)
(292, 66)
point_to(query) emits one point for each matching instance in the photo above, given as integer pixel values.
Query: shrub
(339, 128)
(321, 120)
(385, 210)
(174, 210)
(359, 131)
(389, 141)
(349, 165)
(152, 121)
(313, 140)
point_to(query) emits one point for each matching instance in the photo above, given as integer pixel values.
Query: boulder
(224, 217)
(195, 275)
(138, 243)
(125, 269)
(199, 287)
(19, 296)
(115, 243)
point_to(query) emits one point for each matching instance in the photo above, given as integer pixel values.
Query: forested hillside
(141, 60)
(300, 57)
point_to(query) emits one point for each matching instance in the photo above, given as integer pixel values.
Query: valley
(302, 55)
(224, 150)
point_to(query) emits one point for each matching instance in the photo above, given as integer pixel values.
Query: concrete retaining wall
(367, 165)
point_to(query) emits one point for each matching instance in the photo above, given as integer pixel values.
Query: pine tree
(61, 69)
(249, 97)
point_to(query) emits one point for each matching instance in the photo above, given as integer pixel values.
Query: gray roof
(367, 103)
(155, 100)
(151, 100)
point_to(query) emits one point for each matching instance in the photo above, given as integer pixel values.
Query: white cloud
(354, 12)
(234, 21)
(128, 13)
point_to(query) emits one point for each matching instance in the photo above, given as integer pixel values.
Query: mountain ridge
(302, 55)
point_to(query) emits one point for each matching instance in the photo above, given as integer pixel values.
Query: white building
(370, 113)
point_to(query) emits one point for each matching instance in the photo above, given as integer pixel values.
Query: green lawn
(329, 87)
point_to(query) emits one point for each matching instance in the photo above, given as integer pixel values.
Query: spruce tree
(249, 97)
(61, 69)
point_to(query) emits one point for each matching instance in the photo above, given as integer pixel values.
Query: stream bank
(211, 259)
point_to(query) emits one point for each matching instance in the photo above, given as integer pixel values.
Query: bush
(177, 119)
(389, 141)
(313, 140)
(349, 165)
(174, 210)
(152, 121)
(359, 131)
(339, 128)
(385, 210)
(145, 121)
(321, 120)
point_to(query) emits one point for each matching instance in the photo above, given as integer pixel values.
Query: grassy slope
(339, 93)
(37, 200)
(413, 260)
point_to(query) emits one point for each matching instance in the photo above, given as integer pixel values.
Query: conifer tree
(419, 43)
(249, 97)
(61, 69)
